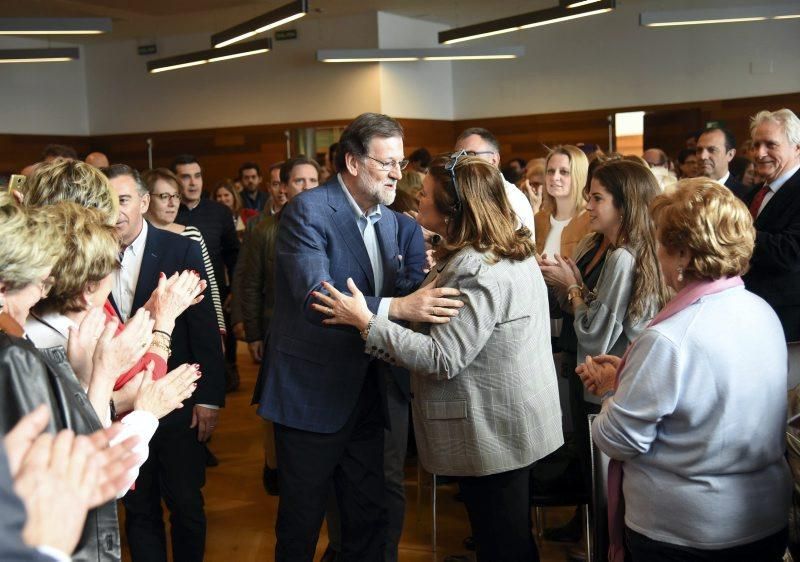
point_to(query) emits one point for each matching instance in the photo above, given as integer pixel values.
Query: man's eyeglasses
(167, 197)
(451, 167)
(390, 164)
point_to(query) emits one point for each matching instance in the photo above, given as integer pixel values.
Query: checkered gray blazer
(485, 397)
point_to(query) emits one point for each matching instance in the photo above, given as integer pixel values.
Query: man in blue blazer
(326, 397)
(175, 468)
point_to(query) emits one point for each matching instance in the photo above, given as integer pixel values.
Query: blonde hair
(75, 181)
(29, 246)
(90, 250)
(578, 170)
(707, 220)
(483, 219)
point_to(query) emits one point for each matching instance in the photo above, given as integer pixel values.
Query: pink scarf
(687, 296)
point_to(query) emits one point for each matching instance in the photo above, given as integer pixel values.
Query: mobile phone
(17, 182)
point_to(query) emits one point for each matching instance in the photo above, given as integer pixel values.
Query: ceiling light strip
(411, 55)
(275, 18)
(54, 26)
(64, 54)
(525, 21)
(730, 14)
(210, 55)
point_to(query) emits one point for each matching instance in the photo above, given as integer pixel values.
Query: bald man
(97, 159)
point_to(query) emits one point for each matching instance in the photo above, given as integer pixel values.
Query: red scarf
(686, 297)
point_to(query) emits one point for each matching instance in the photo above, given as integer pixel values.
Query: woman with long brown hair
(485, 399)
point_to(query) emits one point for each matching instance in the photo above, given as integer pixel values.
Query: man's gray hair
(785, 118)
(117, 170)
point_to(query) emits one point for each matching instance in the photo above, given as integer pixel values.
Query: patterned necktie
(755, 204)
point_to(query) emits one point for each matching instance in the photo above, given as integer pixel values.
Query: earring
(680, 275)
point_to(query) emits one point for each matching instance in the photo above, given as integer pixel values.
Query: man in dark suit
(326, 397)
(775, 266)
(715, 149)
(215, 223)
(175, 469)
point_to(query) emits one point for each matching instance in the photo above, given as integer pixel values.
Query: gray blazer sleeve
(599, 325)
(453, 346)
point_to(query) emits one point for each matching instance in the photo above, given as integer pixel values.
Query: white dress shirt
(520, 205)
(366, 226)
(126, 277)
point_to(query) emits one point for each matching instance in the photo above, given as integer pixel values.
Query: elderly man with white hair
(775, 267)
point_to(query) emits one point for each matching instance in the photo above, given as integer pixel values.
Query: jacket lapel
(148, 274)
(345, 222)
(779, 202)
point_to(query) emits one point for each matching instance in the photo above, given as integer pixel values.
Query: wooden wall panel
(221, 151)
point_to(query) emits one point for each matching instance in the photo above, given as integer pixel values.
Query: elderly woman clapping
(695, 411)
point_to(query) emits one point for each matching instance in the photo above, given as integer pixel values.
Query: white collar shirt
(127, 276)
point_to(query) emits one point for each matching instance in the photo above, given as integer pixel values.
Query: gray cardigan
(485, 397)
(603, 326)
(699, 419)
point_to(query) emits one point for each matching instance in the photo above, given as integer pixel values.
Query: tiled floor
(241, 516)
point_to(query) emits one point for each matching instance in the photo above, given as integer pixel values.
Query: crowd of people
(376, 292)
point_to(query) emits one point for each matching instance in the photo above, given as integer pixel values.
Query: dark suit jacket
(195, 338)
(775, 266)
(739, 189)
(314, 373)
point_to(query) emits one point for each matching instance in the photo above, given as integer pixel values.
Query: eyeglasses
(391, 164)
(451, 167)
(167, 196)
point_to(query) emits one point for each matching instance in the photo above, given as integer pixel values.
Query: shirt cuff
(53, 553)
(383, 308)
(209, 406)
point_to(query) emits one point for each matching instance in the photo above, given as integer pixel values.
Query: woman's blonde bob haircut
(709, 222)
(578, 170)
(29, 247)
(484, 219)
(75, 181)
(89, 255)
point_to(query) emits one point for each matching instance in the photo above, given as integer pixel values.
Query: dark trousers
(175, 471)
(644, 549)
(394, 458)
(499, 512)
(350, 460)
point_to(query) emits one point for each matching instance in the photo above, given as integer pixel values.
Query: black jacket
(30, 377)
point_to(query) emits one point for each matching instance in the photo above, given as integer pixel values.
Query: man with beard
(250, 178)
(326, 397)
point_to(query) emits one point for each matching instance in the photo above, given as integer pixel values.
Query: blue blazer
(314, 373)
(196, 337)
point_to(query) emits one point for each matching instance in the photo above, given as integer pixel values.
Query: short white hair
(785, 118)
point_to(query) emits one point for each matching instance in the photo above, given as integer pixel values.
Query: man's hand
(427, 304)
(238, 331)
(205, 420)
(256, 349)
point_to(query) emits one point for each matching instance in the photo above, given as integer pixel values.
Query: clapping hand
(559, 272)
(172, 296)
(534, 194)
(162, 396)
(82, 342)
(599, 374)
(116, 354)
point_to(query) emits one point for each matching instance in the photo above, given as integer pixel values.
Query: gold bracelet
(162, 342)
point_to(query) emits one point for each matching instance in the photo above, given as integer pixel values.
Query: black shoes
(269, 477)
